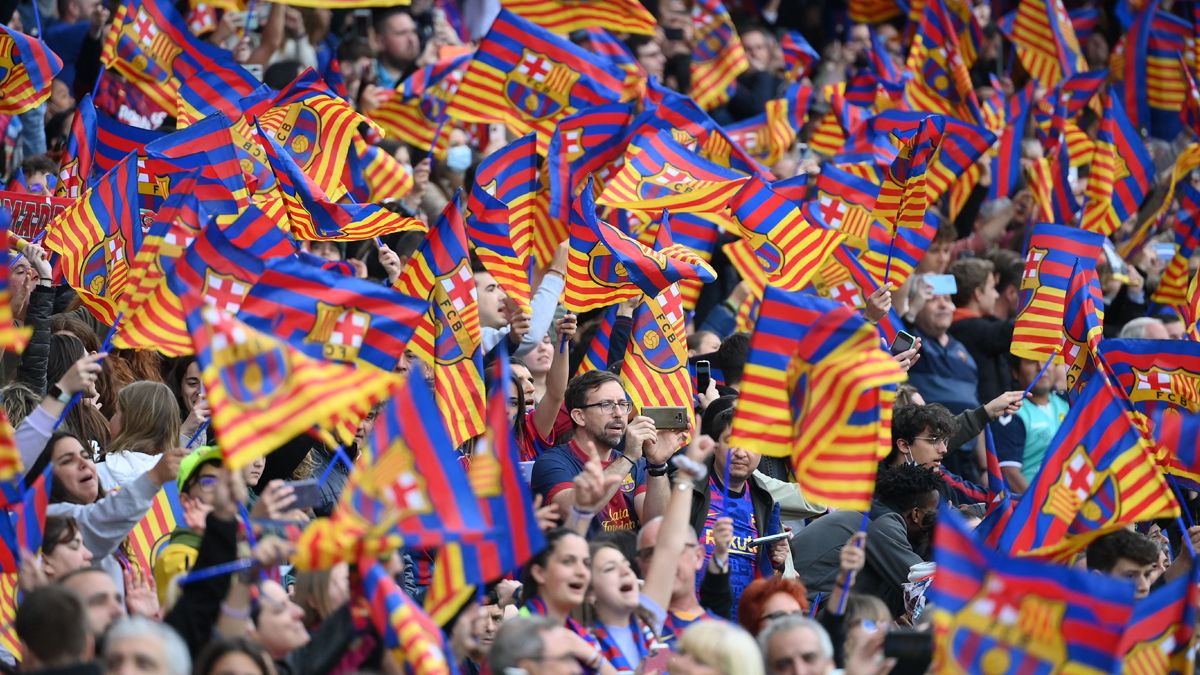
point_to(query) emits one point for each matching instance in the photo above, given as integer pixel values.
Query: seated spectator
(975, 325)
(54, 632)
(1023, 439)
(1125, 554)
(687, 605)
(140, 645)
(901, 523)
(1145, 328)
(795, 644)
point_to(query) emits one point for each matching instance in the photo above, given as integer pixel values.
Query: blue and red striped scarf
(537, 607)
(612, 651)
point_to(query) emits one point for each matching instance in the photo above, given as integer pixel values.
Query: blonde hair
(312, 594)
(149, 419)
(724, 646)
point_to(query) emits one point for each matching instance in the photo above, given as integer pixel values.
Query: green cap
(190, 463)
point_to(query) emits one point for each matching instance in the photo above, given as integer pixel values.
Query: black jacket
(199, 606)
(987, 340)
(29, 367)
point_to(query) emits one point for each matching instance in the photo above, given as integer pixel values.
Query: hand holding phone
(902, 343)
(703, 376)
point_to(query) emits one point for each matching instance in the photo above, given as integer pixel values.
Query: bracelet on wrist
(626, 458)
(657, 470)
(580, 514)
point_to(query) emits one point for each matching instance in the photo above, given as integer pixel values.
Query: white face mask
(458, 158)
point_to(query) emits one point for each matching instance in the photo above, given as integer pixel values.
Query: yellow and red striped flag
(12, 337)
(718, 57)
(655, 367)
(375, 176)
(30, 66)
(1045, 40)
(149, 536)
(264, 392)
(8, 614)
(567, 16)
(416, 110)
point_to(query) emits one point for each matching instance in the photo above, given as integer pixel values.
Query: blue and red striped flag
(999, 505)
(30, 515)
(449, 337)
(327, 315)
(413, 470)
(29, 67)
(844, 202)
(605, 265)
(149, 44)
(207, 148)
(1031, 616)
(789, 247)
(310, 213)
(1083, 325)
(1121, 170)
(114, 140)
(1173, 284)
(818, 388)
(589, 142)
(798, 55)
(1153, 81)
(415, 641)
(1045, 40)
(1161, 635)
(415, 112)
(528, 78)
(718, 57)
(1006, 163)
(75, 169)
(500, 219)
(661, 173)
(1049, 259)
(98, 237)
(1099, 476)
(1156, 374)
(1177, 434)
(596, 356)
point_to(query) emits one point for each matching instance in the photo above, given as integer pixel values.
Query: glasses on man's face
(933, 440)
(607, 407)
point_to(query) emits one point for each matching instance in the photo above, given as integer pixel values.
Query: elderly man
(1145, 328)
(794, 645)
(144, 647)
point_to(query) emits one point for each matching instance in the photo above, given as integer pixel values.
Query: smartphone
(902, 343)
(307, 492)
(769, 539)
(703, 376)
(911, 648)
(942, 284)
(1164, 250)
(362, 23)
(671, 417)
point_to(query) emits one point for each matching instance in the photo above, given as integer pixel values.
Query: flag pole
(841, 608)
(1039, 375)
(887, 269)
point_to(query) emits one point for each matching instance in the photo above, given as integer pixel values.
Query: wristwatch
(62, 396)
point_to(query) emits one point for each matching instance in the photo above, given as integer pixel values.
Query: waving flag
(655, 365)
(844, 202)
(873, 11)
(327, 315)
(1154, 84)
(1082, 325)
(30, 514)
(842, 278)
(790, 248)
(207, 149)
(767, 137)
(1121, 171)
(1191, 310)
(312, 216)
(940, 59)
(414, 114)
(263, 392)
(449, 337)
(75, 169)
(149, 44)
(415, 641)
(1006, 163)
(798, 55)
(903, 196)
(717, 54)
(29, 68)
(606, 266)
(1177, 434)
(1045, 40)
(528, 78)
(1161, 636)
(566, 16)
(1156, 373)
(1030, 615)
(1173, 284)
(499, 219)
(12, 337)
(1049, 259)
(114, 140)
(660, 173)
(152, 534)
(507, 506)
(374, 176)
(1099, 476)
(818, 387)
(999, 501)
(589, 142)
(97, 238)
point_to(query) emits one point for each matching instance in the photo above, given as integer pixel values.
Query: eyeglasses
(933, 440)
(607, 407)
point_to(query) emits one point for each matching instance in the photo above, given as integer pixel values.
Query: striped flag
(1156, 374)
(152, 534)
(660, 173)
(75, 169)
(903, 197)
(1121, 171)
(1173, 284)
(798, 55)
(415, 112)
(717, 54)
(263, 392)
(567, 16)
(605, 265)
(1083, 325)
(29, 67)
(767, 137)
(12, 337)
(591, 142)
(1191, 310)
(1049, 259)
(30, 514)
(449, 337)
(1161, 634)
(374, 176)
(206, 148)
(789, 247)
(1006, 163)
(1099, 476)
(844, 202)
(499, 217)
(97, 238)
(941, 57)
(414, 640)
(817, 387)
(873, 11)
(1045, 40)
(529, 79)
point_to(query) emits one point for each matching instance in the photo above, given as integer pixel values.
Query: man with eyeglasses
(921, 435)
(623, 450)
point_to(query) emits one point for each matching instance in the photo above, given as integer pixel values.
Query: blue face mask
(458, 158)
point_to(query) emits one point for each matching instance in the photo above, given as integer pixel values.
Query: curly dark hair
(579, 386)
(732, 355)
(904, 487)
(910, 421)
(1104, 552)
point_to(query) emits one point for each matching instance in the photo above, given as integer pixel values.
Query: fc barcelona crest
(454, 308)
(667, 182)
(253, 377)
(539, 87)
